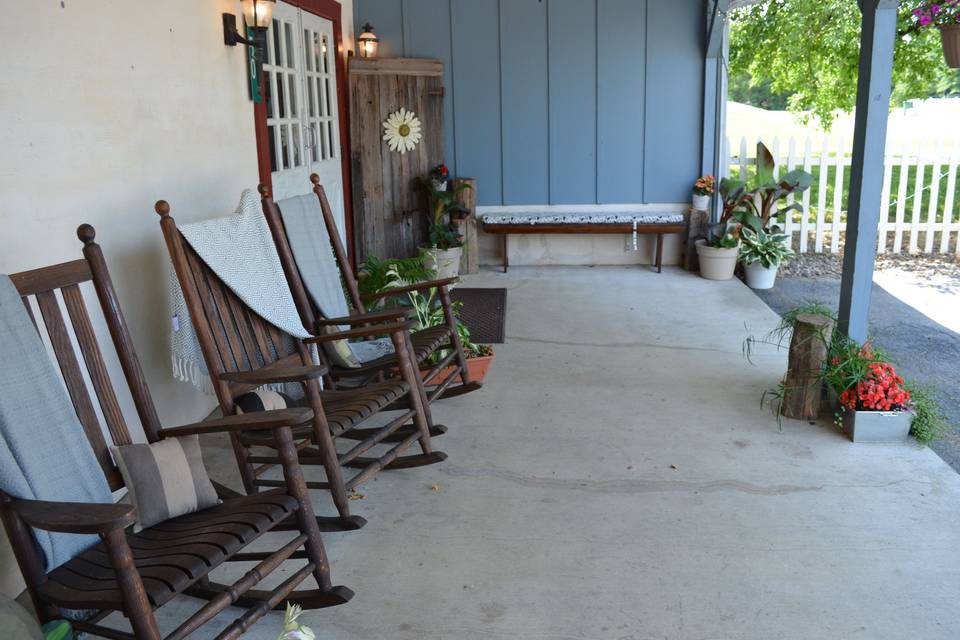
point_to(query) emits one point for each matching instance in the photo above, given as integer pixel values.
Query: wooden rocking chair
(243, 351)
(423, 343)
(137, 573)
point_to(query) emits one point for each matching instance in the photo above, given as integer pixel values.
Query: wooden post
(808, 351)
(470, 259)
(698, 223)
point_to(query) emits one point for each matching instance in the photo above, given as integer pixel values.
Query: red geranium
(881, 390)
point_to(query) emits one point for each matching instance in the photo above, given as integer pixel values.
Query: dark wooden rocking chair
(137, 573)
(243, 351)
(423, 343)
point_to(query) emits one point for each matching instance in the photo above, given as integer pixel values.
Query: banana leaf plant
(756, 207)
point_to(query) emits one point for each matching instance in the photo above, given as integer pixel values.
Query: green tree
(810, 51)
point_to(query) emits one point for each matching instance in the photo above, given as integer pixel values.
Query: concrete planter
(701, 202)
(759, 276)
(446, 262)
(950, 37)
(715, 263)
(877, 426)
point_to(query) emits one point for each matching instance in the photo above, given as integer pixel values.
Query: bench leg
(506, 252)
(659, 252)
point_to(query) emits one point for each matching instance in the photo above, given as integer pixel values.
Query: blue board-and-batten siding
(561, 101)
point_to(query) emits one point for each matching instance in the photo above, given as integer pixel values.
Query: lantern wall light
(257, 16)
(367, 42)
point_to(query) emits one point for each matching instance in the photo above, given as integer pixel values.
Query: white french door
(303, 126)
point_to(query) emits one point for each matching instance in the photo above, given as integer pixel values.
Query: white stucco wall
(107, 106)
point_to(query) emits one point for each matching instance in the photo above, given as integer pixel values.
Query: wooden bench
(624, 223)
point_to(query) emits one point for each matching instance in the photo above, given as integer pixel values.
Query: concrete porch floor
(617, 479)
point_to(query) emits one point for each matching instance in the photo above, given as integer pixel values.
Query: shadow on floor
(923, 350)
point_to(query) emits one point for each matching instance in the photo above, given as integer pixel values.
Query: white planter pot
(439, 185)
(759, 276)
(446, 262)
(715, 263)
(701, 202)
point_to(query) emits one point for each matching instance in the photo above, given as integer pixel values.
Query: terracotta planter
(476, 367)
(950, 37)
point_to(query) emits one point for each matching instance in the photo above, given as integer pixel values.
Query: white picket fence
(912, 218)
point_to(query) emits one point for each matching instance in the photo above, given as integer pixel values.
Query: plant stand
(803, 390)
(470, 259)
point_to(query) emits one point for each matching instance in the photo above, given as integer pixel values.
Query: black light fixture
(257, 16)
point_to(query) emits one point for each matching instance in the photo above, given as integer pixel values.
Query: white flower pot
(701, 202)
(439, 185)
(759, 276)
(446, 262)
(716, 263)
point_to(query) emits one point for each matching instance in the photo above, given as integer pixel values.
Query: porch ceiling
(618, 478)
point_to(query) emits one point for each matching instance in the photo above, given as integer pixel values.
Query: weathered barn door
(389, 209)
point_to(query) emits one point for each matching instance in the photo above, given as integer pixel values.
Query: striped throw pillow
(165, 479)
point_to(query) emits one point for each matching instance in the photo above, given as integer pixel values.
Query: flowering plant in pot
(703, 188)
(446, 243)
(439, 176)
(944, 15)
(762, 253)
(875, 403)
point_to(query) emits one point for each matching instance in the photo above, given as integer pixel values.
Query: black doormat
(484, 312)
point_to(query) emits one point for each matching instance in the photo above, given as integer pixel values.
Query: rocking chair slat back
(232, 336)
(306, 308)
(43, 286)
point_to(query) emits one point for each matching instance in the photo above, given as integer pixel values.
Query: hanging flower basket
(950, 36)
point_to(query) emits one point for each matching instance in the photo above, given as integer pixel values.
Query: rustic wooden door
(389, 208)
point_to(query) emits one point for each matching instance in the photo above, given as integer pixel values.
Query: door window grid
(282, 94)
(321, 116)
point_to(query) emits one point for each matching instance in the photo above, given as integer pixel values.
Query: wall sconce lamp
(257, 16)
(368, 42)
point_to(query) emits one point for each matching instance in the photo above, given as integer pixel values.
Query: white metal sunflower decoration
(402, 131)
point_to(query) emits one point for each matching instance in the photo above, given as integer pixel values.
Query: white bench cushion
(583, 218)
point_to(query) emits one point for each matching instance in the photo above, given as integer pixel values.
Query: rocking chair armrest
(275, 375)
(74, 517)
(362, 332)
(367, 318)
(419, 286)
(255, 421)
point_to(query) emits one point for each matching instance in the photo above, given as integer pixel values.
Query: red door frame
(330, 10)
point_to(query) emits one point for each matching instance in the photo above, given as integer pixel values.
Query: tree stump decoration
(698, 225)
(467, 227)
(803, 387)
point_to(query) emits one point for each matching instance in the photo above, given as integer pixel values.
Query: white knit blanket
(240, 250)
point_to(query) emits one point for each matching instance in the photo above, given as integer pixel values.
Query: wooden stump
(698, 224)
(803, 390)
(470, 259)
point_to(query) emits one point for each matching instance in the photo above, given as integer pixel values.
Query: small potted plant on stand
(439, 177)
(703, 189)
(446, 244)
(875, 404)
(762, 253)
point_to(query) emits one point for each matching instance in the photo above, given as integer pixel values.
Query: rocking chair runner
(137, 573)
(424, 343)
(243, 351)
